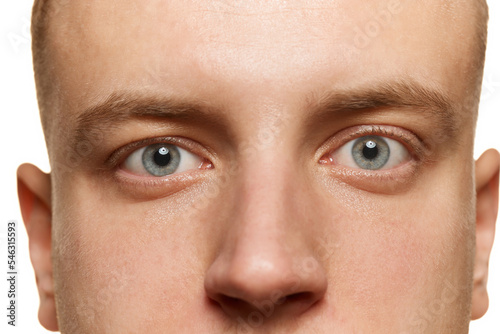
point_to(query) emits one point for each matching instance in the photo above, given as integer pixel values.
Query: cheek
(393, 257)
(117, 254)
(377, 270)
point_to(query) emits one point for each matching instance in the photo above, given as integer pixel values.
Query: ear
(33, 188)
(487, 170)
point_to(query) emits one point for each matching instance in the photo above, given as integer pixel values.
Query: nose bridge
(265, 201)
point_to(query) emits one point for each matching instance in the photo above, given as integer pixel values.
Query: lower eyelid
(385, 181)
(148, 188)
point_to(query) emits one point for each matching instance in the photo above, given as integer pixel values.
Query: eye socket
(371, 153)
(161, 159)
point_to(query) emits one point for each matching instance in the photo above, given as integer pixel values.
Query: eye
(160, 160)
(371, 153)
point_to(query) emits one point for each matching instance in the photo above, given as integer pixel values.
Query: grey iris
(161, 159)
(371, 152)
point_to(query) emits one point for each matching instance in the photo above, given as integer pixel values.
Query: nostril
(233, 306)
(233, 302)
(296, 303)
(301, 298)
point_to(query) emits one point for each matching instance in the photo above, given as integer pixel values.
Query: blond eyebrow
(400, 95)
(122, 107)
(119, 108)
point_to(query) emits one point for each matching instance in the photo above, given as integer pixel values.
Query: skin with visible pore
(276, 220)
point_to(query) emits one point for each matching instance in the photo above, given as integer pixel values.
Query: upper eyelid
(119, 155)
(411, 141)
(381, 132)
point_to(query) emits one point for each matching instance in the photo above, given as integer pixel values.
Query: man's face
(266, 166)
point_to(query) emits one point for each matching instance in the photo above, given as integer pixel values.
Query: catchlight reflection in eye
(161, 159)
(371, 153)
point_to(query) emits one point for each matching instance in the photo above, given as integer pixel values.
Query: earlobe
(34, 199)
(487, 177)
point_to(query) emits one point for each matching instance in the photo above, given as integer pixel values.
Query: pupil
(370, 151)
(162, 157)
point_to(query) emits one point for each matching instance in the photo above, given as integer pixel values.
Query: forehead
(259, 48)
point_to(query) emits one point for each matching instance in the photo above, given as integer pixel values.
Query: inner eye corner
(326, 158)
(206, 164)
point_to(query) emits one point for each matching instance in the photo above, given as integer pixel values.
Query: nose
(265, 266)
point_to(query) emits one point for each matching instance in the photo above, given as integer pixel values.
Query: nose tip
(261, 289)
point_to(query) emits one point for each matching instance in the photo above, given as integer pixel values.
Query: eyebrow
(119, 108)
(401, 95)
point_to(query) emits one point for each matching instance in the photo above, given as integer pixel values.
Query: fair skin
(271, 228)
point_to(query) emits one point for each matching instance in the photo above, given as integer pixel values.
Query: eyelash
(410, 141)
(117, 157)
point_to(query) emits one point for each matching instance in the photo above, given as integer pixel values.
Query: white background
(21, 141)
